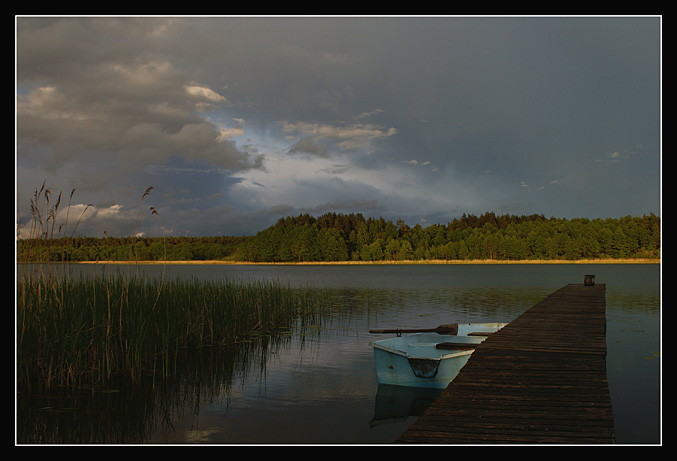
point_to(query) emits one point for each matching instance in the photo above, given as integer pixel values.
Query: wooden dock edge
(541, 379)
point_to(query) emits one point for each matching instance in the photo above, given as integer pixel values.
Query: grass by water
(83, 332)
(391, 262)
(75, 332)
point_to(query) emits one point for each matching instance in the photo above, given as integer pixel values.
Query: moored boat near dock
(429, 358)
(541, 379)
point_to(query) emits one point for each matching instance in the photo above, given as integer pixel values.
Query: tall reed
(85, 331)
(74, 332)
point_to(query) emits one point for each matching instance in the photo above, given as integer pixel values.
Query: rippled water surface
(319, 386)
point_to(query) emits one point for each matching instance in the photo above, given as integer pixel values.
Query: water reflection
(132, 413)
(398, 403)
(317, 384)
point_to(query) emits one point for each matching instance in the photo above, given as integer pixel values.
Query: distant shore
(386, 263)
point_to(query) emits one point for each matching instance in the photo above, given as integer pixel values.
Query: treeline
(341, 237)
(74, 249)
(336, 237)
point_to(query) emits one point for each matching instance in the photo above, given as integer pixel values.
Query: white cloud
(107, 104)
(204, 93)
(146, 75)
(111, 212)
(344, 137)
(317, 184)
(226, 133)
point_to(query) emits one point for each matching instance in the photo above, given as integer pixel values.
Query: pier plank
(540, 379)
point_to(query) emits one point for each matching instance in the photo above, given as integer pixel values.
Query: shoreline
(380, 263)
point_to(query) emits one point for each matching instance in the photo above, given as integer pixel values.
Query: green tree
(305, 247)
(333, 246)
(365, 252)
(392, 250)
(406, 252)
(376, 250)
(619, 244)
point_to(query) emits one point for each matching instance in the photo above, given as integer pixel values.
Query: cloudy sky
(238, 121)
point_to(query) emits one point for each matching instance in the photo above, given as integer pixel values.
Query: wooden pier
(541, 379)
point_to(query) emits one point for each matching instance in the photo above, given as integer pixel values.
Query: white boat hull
(416, 361)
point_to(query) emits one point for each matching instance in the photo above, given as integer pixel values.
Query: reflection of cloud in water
(200, 435)
(461, 305)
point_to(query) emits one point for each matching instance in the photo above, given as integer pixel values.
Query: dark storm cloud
(236, 120)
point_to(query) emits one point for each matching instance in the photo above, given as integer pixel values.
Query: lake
(319, 386)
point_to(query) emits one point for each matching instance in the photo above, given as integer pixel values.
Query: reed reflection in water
(318, 384)
(126, 413)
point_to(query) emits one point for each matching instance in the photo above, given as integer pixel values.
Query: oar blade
(448, 329)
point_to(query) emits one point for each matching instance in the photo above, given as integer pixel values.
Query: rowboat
(429, 358)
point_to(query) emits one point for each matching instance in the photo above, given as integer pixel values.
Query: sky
(235, 122)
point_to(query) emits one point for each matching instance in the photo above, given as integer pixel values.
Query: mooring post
(589, 281)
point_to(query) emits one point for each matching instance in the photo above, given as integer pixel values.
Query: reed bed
(80, 332)
(76, 332)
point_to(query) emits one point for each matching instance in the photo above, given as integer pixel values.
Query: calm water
(320, 387)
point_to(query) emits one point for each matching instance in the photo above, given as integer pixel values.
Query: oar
(449, 329)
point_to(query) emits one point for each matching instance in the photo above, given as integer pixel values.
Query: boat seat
(455, 346)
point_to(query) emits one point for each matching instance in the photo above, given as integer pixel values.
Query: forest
(335, 237)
